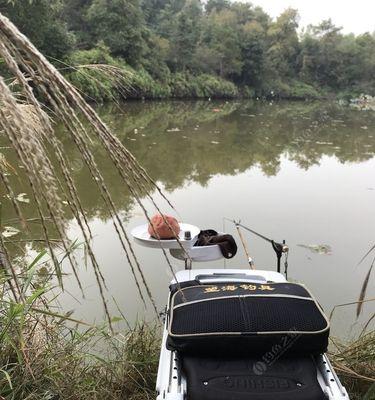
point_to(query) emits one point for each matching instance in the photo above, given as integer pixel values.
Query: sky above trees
(356, 17)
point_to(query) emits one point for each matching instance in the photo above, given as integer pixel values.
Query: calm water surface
(304, 172)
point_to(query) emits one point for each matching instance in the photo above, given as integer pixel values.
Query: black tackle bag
(246, 319)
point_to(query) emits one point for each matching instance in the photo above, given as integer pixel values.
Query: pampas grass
(29, 129)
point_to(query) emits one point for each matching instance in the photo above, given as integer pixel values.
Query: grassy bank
(355, 364)
(101, 77)
(45, 355)
(94, 77)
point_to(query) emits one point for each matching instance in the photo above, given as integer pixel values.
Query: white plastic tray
(199, 253)
(142, 237)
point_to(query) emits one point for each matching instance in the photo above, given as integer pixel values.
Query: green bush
(293, 89)
(142, 85)
(249, 92)
(184, 85)
(92, 83)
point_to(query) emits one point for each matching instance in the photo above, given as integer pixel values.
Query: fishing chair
(242, 341)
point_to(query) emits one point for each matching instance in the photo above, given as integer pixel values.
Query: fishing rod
(249, 258)
(279, 248)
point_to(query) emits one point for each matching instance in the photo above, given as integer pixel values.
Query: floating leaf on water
(213, 142)
(22, 198)
(317, 248)
(10, 231)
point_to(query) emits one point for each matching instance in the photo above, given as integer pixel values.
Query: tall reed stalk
(30, 131)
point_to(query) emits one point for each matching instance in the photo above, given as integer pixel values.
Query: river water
(299, 171)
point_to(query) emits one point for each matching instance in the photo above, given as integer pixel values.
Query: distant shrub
(93, 83)
(249, 92)
(99, 86)
(293, 89)
(142, 85)
(201, 86)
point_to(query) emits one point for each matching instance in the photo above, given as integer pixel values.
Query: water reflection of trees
(217, 138)
(252, 134)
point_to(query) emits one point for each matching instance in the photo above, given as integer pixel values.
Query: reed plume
(29, 128)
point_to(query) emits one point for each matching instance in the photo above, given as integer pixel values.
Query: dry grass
(355, 363)
(44, 355)
(29, 129)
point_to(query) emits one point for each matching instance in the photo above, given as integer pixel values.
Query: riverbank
(103, 78)
(47, 355)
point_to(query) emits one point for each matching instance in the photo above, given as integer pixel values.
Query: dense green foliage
(182, 48)
(42, 22)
